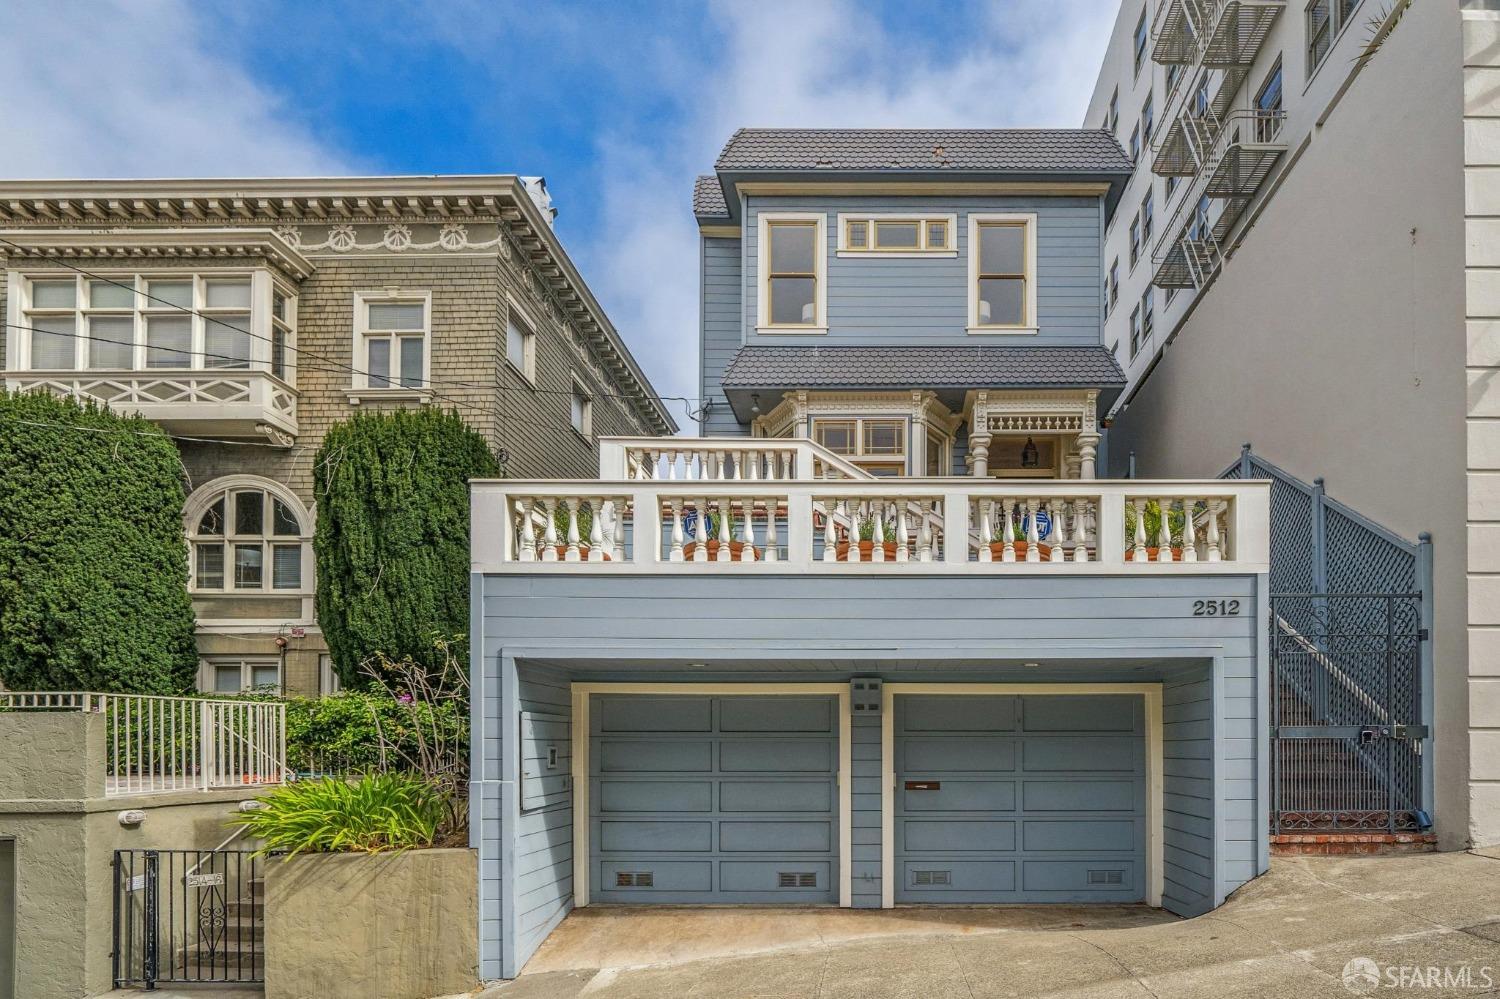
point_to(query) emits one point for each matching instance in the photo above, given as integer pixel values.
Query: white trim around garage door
(580, 729)
(1154, 802)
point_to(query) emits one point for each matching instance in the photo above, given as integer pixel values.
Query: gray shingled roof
(708, 198)
(976, 366)
(1021, 150)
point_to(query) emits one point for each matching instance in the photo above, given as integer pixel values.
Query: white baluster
(572, 554)
(1007, 530)
(720, 469)
(675, 555)
(1164, 531)
(924, 532)
(753, 459)
(877, 531)
(1189, 530)
(596, 529)
(1139, 550)
(1056, 509)
(830, 532)
(786, 464)
(1033, 532)
(903, 553)
(700, 531)
(747, 530)
(1215, 552)
(725, 553)
(527, 547)
(1080, 531)
(772, 510)
(986, 510)
(549, 533)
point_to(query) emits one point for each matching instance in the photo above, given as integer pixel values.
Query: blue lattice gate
(1351, 663)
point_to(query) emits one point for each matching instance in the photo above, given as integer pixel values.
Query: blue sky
(617, 104)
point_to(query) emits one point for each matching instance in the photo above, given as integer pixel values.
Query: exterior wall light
(132, 817)
(1029, 456)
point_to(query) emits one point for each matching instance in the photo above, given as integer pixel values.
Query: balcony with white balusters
(743, 505)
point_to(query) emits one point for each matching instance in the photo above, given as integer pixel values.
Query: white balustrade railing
(175, 743)
(962, 524)
(696, 459)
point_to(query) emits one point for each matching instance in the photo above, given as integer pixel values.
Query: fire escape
(1221, 148)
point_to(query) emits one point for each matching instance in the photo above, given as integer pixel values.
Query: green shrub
(373, 813)
(93, 561)
(356, 731)
(392, 540)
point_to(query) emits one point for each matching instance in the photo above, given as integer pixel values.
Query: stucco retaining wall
(383, 926)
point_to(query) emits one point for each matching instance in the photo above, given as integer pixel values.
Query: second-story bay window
(1002, 264)
(391, 330)
(155, 322)
(791, 257)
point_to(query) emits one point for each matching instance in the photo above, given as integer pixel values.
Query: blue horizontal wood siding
(915, 301)
(543, 884)
(721, 332)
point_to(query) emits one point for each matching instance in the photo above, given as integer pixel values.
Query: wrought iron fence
(1351, 658)
(188, 916)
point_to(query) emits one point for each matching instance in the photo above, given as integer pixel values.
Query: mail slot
(924, 785)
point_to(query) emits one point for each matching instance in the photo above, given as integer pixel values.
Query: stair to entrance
(241, 935)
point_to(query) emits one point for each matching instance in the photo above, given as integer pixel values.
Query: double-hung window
(1148, 118)
(876, 444)
(1002, 273)
(1113, 285)
(1268, 106)
(1135, 143)
(392, 331)
(1135, 239)
(1148, 313)
(1135, 332)
(1147, 216)
(134, 322)
(1112, 115)
(1320, 30)
(520, 342)
(791, 258)
(1142, 36)
(581, 408)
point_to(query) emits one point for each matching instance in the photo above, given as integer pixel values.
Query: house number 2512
(1215, 608)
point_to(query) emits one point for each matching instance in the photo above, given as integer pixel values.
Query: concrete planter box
(382, 926)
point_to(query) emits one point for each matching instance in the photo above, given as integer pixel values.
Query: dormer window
(1002, 273)
(792, 261)
(896, 235)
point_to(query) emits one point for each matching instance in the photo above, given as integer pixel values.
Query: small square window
(858, 235)
(937, 235)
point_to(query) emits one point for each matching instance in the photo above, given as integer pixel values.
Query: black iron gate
(188, 916)
(1347, 710)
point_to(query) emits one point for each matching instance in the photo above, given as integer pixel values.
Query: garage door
(697, 799)
(1020, 799)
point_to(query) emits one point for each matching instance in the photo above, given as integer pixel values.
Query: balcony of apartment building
(1215, 142)
(194, 331)
(738, 505)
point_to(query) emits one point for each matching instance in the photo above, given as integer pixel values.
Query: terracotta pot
(1153, 555)
(736, 551)
(997, 550)
(583, 553)
(866, 551)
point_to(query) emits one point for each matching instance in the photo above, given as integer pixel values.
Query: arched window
(248, 535)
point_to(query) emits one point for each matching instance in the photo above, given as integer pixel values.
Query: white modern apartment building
(1307, 256)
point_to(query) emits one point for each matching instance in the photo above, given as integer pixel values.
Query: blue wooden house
(880, 636)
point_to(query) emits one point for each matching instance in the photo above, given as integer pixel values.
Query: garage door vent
(634, 879)
(796, 879)
(1106, 877)
(932, 877)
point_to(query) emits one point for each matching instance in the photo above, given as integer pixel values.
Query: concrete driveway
(1290, 934)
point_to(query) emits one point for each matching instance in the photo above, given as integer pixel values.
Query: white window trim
(581, 388)
(361, 386)
(763, 265)
(921, 218)
(528, 370)
(328, 677)
(208, 666)
(1029, 219)
(202, 498)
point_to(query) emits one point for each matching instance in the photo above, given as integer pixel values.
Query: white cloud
(136, 88)
(800, 63)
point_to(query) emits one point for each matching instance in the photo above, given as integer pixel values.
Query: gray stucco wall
(534, 633)
(1351, 372)
(875, 300)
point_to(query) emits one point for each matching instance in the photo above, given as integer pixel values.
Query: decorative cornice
(159, 245)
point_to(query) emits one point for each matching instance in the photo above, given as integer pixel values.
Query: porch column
(979, 450)
(1088, 450)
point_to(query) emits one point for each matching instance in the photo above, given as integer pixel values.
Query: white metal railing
(175, 743)
(712, 458)
(944, 524)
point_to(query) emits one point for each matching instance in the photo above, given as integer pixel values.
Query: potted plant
(737, 549)
(866, 545)
(1152, 522)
